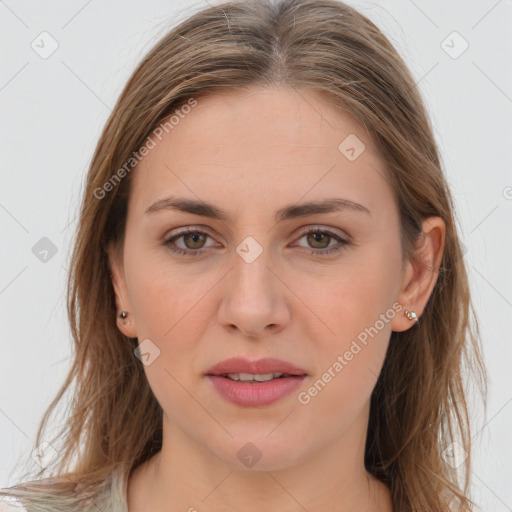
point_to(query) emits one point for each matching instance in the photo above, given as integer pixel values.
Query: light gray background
(53, 110)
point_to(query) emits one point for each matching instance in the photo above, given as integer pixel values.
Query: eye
(320, 237)
(194, 241)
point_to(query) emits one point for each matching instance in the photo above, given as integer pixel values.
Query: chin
(258, 453)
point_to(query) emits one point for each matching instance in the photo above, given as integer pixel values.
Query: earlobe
(126, 325)
(124, 318)
(421, 274)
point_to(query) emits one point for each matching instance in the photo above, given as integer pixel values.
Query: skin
(251, 152)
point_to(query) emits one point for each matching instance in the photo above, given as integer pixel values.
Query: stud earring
(123, 314)
(411, 315)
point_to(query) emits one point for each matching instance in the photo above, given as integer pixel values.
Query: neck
(187, 476)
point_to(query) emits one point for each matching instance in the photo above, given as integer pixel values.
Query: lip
(265, 365)
(254, 394)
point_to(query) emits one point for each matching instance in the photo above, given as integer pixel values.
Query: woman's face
(260, 286)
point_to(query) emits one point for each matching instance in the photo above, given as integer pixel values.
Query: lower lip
(255, 394)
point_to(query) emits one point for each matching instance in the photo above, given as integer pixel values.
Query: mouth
(256, 383)
(254, 378)
(268, 368)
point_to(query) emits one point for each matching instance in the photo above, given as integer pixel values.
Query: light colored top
(10, 506)
(118, 492)
(115, 496)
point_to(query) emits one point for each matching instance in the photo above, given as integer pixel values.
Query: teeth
(259, 377)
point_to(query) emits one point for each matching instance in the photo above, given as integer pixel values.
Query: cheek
(162, 294)
(348, 369)
(353, 295)
(169, 312)
(172, 309)
(355, 310)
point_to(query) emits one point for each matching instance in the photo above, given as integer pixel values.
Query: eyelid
(303, 230)
(342, 242)
(179, 232)
(328, 229)
(341, 239)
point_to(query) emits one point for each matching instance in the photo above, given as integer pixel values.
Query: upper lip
(260, 366)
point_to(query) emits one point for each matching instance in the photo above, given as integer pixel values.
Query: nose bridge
(251, 276)
(252, 299)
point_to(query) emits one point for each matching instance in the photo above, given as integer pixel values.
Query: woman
(268, 297)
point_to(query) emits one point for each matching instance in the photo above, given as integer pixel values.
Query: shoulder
(11, 506)
(61, 494)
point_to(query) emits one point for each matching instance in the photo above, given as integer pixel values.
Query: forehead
(256, 116)
(257, 143)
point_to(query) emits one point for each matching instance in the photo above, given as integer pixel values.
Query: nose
(254, 301)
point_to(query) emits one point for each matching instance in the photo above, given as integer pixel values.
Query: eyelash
(192, 252)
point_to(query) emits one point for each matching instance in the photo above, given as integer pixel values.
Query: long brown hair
(418, 406)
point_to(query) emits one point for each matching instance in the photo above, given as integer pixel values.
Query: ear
(125, 325)
(421, 272)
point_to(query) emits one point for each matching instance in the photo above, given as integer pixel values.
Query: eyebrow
(186, 205)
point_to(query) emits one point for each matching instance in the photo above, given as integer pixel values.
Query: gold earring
(411, 315)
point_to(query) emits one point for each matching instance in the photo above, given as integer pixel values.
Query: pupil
(317, 237)
(194, 237)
